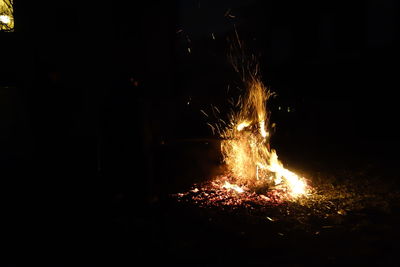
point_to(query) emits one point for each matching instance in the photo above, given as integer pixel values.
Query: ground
(352, 217)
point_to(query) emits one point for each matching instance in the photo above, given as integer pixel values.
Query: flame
(237, 188)
(242, 125)
(245, 146)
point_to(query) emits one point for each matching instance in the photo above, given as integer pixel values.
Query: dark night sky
(334, 62)
(91, 90)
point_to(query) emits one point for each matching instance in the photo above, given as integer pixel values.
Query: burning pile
(252, 166)
(245, 146)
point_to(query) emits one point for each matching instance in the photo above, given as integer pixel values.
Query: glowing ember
(222, 192)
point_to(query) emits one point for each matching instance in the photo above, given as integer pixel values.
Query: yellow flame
(297, 186)
(237, 188)
(263, 132)
(242, 125)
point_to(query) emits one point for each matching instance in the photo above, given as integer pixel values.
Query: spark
(237, 36)
(219, 130)
(239, 101)
(236, 68)
(227, 12)
(202, 111)
(212, 128)
(213, 111)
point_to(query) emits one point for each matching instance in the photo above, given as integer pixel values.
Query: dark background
(100, 107)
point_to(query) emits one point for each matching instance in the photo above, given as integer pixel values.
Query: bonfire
(253, 169)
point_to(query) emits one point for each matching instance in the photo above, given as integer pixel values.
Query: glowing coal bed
(347, 216)
(223, 192)
(329, 200)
